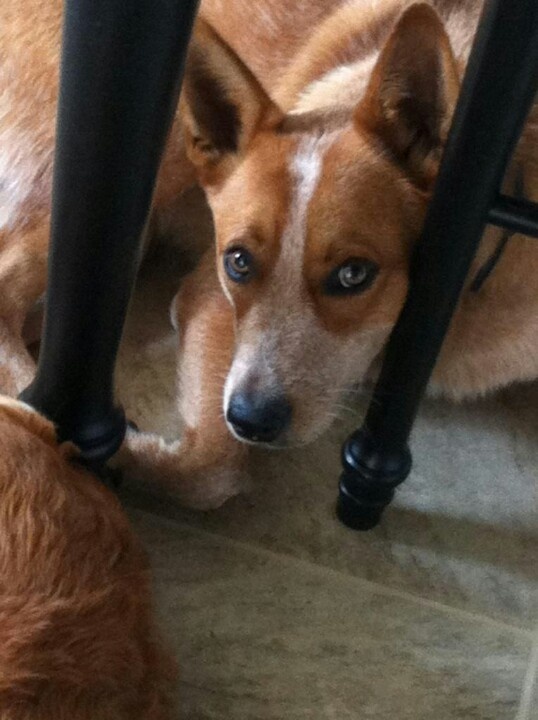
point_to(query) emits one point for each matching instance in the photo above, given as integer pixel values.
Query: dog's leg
(23, 271)
(197, 474)
(207, 466)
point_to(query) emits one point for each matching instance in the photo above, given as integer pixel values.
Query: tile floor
(278, 613)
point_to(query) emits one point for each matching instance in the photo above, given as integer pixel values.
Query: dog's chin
(278, 444)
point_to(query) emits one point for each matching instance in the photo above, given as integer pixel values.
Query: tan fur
(77, 636)
(344, 96)
(308, 156)
(204, 468)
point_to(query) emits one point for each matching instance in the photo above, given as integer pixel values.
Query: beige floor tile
(528, 707)
(463, 529)
(261, 637)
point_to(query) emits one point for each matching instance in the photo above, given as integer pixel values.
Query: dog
(77, 634)
(318, 182)
(317, 138)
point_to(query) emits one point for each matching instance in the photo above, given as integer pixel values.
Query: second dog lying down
(318, 193)
(77, 634)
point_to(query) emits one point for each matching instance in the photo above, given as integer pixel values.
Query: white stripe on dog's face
(305, 171)
(280, 319)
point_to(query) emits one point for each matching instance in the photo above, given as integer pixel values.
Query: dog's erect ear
(222, 104)
(412, 92)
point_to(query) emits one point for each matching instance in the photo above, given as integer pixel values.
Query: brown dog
(77, 636)
(318, 182)
(317, 137)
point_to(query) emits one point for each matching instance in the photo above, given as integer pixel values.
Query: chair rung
(519, 216)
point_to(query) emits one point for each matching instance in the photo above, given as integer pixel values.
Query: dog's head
(315, 212)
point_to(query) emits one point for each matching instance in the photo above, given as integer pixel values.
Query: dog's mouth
(255, 440)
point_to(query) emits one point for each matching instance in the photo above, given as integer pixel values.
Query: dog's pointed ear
(412, 93)
(222, 104)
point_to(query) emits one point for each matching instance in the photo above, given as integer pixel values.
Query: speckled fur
(280, 330)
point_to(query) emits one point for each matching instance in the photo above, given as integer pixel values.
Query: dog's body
(317, 150)
(329, 162)
(77, 638)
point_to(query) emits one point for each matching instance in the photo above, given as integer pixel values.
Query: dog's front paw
(173, 470)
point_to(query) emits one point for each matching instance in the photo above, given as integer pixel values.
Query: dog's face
(314, 261)
(315, 221)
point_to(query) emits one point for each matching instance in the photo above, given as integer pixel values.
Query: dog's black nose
(258, 418)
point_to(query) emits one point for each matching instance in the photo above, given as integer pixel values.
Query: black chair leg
(498, 90)
(120, 77)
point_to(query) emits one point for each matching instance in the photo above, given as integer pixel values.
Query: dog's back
(76, 631)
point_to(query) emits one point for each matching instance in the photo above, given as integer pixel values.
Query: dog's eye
(238, 264)
(352, 277)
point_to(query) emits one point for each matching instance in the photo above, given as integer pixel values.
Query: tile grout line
(372, 586)
(530, 684)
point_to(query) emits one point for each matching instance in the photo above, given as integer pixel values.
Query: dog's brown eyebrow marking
(211, 106)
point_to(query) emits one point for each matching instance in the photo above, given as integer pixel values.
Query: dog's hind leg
(23, 274)
(207, 465)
